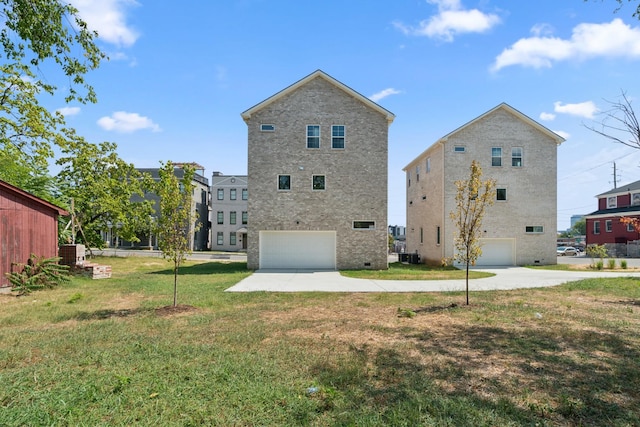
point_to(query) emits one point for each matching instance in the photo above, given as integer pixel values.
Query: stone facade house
(604, 226)
(317, 173)
(229, 217)
(521, 155)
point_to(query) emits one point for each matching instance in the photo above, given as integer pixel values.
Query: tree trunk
(175, 284)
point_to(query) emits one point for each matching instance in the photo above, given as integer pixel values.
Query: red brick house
(604, 226)
(28, 224)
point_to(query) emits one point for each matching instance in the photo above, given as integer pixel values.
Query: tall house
(229, 215)
(317, 171)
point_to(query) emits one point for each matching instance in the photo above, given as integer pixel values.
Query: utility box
(72, 255)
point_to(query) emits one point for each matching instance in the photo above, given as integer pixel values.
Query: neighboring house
(604, 226)
(317, 168)
(28, 225)
(199, 240)
(521, 155)
(229, 212)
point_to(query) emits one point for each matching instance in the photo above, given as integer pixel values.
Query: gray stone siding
(356, 176)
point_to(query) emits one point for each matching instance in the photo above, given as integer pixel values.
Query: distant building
(575, 219)
(229, 217)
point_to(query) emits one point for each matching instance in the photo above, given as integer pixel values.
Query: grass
(103, 352)
(399, 271)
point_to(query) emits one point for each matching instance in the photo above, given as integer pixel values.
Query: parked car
(566, 251)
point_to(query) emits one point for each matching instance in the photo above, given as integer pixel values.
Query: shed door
(298, 249)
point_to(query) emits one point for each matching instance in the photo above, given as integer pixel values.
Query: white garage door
(497, 252)
(298, 249)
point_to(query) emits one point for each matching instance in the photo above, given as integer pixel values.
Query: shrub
(38, 273)
(623, 264)
(611, 264)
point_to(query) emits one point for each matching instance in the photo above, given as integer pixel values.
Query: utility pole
(615, 179)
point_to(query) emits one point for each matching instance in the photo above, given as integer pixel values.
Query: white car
(566, 251)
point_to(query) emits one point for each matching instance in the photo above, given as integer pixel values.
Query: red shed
(28, 224)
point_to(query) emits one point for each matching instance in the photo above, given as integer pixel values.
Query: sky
(179, 76)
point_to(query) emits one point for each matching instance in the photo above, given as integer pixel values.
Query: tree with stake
(472, 197)
(177, 220)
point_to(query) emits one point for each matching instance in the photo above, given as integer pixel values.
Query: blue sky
(179, 76)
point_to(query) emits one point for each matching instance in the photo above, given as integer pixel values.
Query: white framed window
(220, 240)
(232, 217)
(245, 194)
(635, 199)
(608, 226)
(245, 217)
(364, 225)
(501, 194)
(220, 193)
(534, 229)
(596, 227)
(459, 149)
(232, 238)
(516, 156)
(233, 194)
(318, 182)
(496, 156)
(337, 136)
(220, 217)
(612, 202)
(417, 173)
(428, 166)
(284, 182)
(313, 136)
(267, 128)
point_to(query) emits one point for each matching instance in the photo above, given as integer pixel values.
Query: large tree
(43, 41)
(177, 220)
(621, 3)
(619, 123)
(472, 197)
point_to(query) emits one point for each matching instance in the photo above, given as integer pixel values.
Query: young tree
(104, 189)
(177, 219)
(472, 198)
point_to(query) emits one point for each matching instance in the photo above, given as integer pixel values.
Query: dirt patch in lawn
(171, 310)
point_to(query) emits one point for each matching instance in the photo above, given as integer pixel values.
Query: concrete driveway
(332, 281)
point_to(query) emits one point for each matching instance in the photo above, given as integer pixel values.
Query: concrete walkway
(332, 281)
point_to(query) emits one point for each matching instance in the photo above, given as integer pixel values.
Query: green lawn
(104, 352)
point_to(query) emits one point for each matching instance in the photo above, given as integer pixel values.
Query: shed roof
(318, 74)
(20, 192)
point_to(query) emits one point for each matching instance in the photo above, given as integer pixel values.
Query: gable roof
(622, 189)
(503, 106)
(19, 192)
(318, 74)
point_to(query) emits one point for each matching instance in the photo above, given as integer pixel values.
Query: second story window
(245, 194)
(232, 217)
(313, 136)
(232, 194)
(245, 217)
(612, 202)
(496, 156)
(318, 182)
(284, 182)
(220, 217)
(220, 193)
(337, 136)
(516, 156)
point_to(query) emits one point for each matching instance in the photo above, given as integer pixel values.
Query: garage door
(497, 252)
(298, 249)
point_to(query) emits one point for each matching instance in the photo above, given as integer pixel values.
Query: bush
(38, 273)
(611, 264)
(623, 264)
(599, 265)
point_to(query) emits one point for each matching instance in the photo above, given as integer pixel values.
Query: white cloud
(585, 109)
(383, 94)
(562, 133)
(108, 18)
(547, 116)
(612, 39)
(69, 111)
(451, 20)
(121, 121)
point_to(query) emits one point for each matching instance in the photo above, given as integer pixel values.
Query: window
(220, 238)
(318, 182)
(516, 156)
(220, 217)
(635, 199)
(232, 194)
(267, 128)
(458, 149)
(232, 238)
(437, 235)
(232, 217)
(534, 229)
(496, 156)
(421, 235)
(612, 202)
(596, 227)
(245, 194)
(220, 193)
(364, 225)
(428, 167)
(608, 226)
(284, 182)
(245, 217)
(313, 136)
(630, 228)
(501, 194)
(337, 136)
(417, 173)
